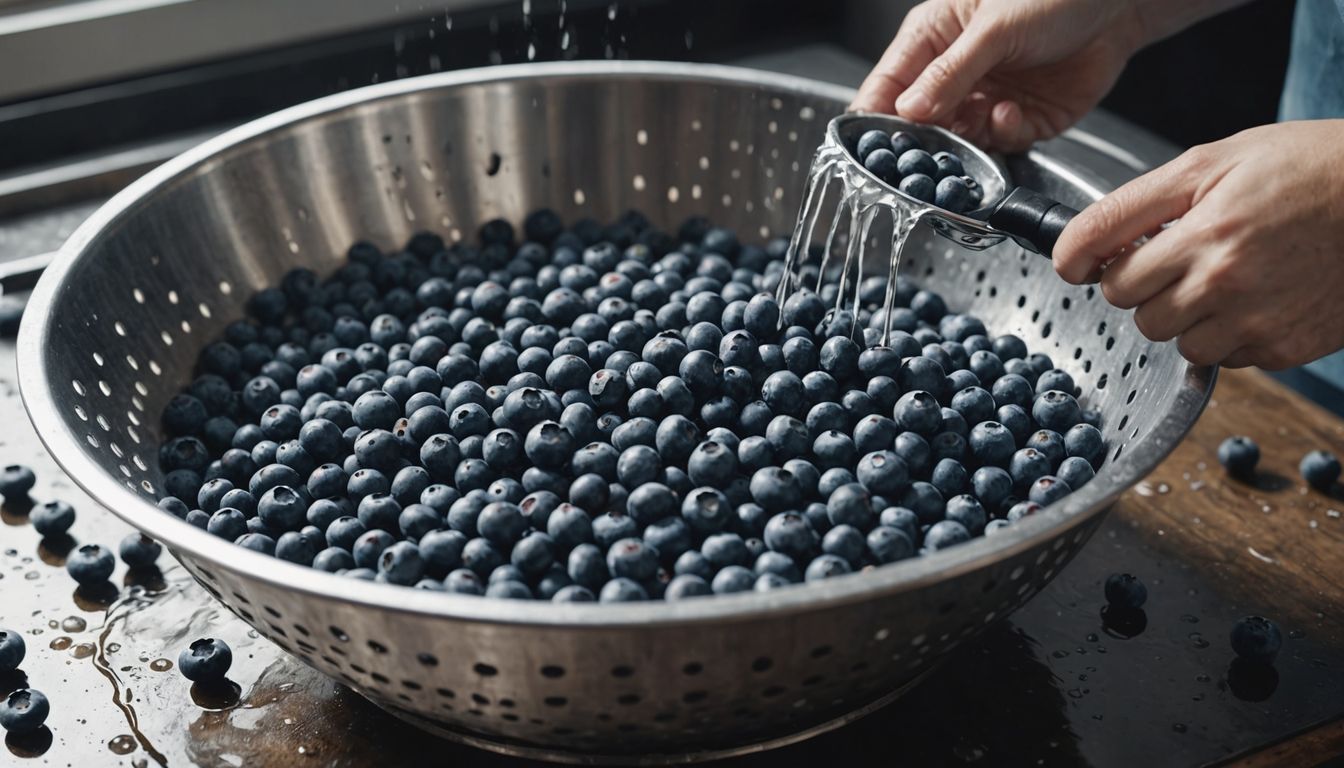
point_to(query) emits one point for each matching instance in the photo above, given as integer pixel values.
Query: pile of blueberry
(900, 160)
(610, 413)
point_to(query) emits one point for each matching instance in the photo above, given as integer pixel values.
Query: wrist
(1153, 20)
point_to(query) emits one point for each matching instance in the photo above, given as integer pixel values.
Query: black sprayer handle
(1033, 219)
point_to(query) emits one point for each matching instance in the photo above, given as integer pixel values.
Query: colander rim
(36, 389)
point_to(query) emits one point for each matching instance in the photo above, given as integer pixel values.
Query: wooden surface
(1047, 687)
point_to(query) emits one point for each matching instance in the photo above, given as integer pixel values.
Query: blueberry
(294, 547)
(924, 500)
(1026, 466)
(734, 578)
(992, 485)
(826, 566)
(1238, 455)
(991, 444)
(441, 552)
(569, 526)
(12, 650)
(1085, 441)
(1047, 490)
(872, 141)
(711, 464)
(883, 472)
(463, 582)
(1051, 444)
(205, 661)
(1256, 639)
(686, 585)
(53, 518)
(790, 534)
(775, 489)
(1320, 469)
(533, 555)
(968, 511)
(706, 510)
(637, 466)
(883, 164)
(1022, 509)
(227, 523)
(622, 590)
(1075, 472)
(919, 412)
(1125, 591)
(24, 711)
(574, 593)
(650, 502)
(944, 534)
(1056, 410)
(501, 523)
(920, 187)
(845, 542)
(282, 509)
(90, 564)
(887, 544)
(369, 547)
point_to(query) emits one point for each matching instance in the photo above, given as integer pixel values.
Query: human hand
(1004, 73)
(1252, 273)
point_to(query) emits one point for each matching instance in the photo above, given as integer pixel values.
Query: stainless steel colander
(116, 322)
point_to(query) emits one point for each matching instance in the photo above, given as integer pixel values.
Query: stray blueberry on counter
(139, 551)
(52, 518)
(90, 564)
(1239, 455)
(1320, 469)
(205, 661)
(24, 711)
(16, 481)
(1256, 639)
(12, 650)
(1125, 591)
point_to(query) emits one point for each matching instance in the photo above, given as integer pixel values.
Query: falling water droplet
(122, 745)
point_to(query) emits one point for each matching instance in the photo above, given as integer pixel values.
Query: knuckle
(1195, 351)
(1226, 276)
(1148, 325)
(1114, 292)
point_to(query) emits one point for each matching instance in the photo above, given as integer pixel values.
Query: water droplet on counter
(73, 624)
(31, 575)
(1189, 619)
(1075, 693)
(1163, 488)
(1178, 727)
(113, 647)
(139, 762)
(83, 650)
(61, 643)
(1202, 678)
(1296, 634)
(1092, 637)
(53, 624)
(1060, 653)
(160, 665)
(122, 745)
(1197, 640)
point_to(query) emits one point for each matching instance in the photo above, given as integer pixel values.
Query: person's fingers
(1207, 342)
(1242, 358)
(1144, 271)
(1007, 128)
(1172, 312)
(1118, 219)
(949, 78)
(971, 120)
(916, 44)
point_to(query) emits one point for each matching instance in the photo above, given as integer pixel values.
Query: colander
(116, 322)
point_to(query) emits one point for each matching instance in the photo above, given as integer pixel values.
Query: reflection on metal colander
(116, 323)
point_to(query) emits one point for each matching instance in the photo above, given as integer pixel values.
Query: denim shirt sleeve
(1314, 87)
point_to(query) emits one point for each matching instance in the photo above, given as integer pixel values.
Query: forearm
(1162, 18)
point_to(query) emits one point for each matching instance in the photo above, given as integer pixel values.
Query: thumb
(949, 78)
(1114, 222)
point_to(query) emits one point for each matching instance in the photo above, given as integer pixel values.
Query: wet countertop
(1053, 685)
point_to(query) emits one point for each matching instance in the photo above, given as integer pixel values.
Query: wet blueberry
(205, 661)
